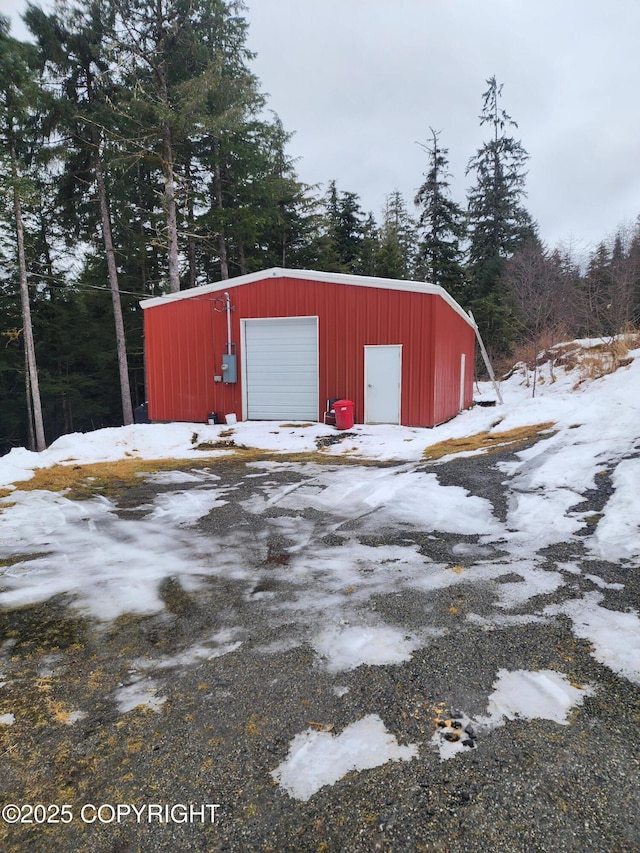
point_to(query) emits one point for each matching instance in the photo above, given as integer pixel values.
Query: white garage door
(281, 369)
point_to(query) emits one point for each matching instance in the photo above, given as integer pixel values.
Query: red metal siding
(180, 360)
(452, 337)
(185, 341)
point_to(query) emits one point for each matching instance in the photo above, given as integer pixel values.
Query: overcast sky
(361, 81)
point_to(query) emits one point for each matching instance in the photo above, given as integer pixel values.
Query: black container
(141, 414)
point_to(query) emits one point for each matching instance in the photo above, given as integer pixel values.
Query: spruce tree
(345, 229)
(441, 224)
(369, 246)
(608, 292)
(188, 86)
(266, 213)
(72, 46)
(20, 95)
(289, 207)
(396, 249)
(498, 222)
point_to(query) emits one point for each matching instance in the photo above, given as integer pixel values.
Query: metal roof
(310, 275)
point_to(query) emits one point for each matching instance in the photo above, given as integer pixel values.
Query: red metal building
(276, 345)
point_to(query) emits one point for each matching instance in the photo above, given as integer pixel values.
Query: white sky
(361, 81)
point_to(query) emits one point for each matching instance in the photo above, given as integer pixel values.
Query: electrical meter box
(229, 368)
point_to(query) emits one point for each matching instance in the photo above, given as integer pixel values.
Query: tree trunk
(217, 181)
(242, 260)
(31, 439)
(146, 286)
(190, 213)
(170, 209)
(27, 328)
(47, 253)
(121, 344)
(168, 171)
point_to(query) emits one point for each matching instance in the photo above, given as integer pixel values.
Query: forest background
(138, 156)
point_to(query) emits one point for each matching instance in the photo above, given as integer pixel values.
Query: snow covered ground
(110, 565)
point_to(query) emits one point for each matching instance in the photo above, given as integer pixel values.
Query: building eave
(309, 275)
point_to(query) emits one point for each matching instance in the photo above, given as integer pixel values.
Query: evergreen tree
(634, 260)
(266, 213)
(608, 291)
(596, 285)
(19, 140)
(441, 224)
(329, 254)
(369, 247)
(396, 249)
(344, 235)
(348, 231)
(497, 221)
(73, 53)
(290, 223)
(189, 86)
(623, 309)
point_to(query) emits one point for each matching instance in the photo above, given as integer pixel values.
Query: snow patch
(617, 535)
(542, 695)
(141, 693)
(218, 645)
(500, 621)
(107, 565)
(185, 508)
(317, 758)
(347, 648)
(390, 496)
(534, 582)
(170, 478)
(614, 635)
(74, 717)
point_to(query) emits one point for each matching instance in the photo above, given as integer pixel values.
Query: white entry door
(382, 382)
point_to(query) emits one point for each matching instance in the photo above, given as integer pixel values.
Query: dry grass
(224, 444)
(80, 482)
(322, 457)
(83, 481)
(297, 425)
(7, 562)
(565, 355)
(539, 350)
(487, 442)
(598, 364)
(606, 357)
(591, 362)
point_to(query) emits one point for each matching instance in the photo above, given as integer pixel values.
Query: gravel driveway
(197, 704)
